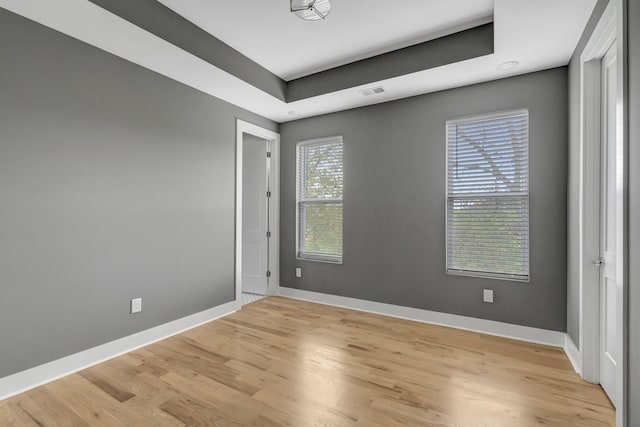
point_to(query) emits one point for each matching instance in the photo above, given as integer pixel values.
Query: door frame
(608, 30)
(273, 282)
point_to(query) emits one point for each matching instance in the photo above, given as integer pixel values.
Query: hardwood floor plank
(93, 397)
(45, 408)
(106, 384)
(281, 362)
(14, 414)
(194, 412)
(232, 404)
(83, 405)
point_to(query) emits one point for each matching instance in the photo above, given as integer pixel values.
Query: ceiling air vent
(372, 91)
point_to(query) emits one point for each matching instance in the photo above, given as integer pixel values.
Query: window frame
(476, 119)
(331, 259)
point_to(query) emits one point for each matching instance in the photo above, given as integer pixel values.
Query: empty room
(320, 213)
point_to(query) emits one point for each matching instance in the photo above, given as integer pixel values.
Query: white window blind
(488, 196)
(319, 177)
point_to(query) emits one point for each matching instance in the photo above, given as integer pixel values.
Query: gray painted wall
(573, 193)
(634, 212)
(115, 183)
(394, 208)
(472, 43)
(158, 19)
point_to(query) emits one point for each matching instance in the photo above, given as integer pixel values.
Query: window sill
(482, 275)
(319, 258)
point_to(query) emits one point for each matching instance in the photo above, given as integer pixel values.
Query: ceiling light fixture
(311, 10)
(509, 65)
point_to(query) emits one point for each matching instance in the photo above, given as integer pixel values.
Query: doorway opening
(257, 214)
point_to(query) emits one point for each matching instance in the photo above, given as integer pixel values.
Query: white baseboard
(489, 327)
(40, 375)
(573, 354)
(34, 377)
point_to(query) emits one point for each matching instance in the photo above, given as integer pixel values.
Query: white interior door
(255, 215)
(608, 244)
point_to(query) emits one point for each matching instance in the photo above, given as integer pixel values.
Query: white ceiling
(290, 47)
(540, 34)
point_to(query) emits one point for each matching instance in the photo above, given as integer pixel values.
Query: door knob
(597, 261)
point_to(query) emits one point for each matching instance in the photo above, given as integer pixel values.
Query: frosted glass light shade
(311, 10)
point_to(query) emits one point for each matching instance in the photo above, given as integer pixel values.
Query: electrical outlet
(136, 305)
(298, 272)
(487, 296)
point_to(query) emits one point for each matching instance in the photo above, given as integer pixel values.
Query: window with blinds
(488, 196)
(319, 180)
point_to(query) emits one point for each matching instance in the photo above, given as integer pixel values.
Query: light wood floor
(248, 298)
(281, 362)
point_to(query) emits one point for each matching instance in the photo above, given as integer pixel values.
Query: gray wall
(573, 193)
(394, 203)
(634, 212)
(115, 182)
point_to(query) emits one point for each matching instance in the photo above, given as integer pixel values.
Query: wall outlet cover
(136, 305)
(487, 296)
(298, 272)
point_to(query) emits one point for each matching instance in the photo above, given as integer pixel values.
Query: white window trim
(317, 257)
(479, 118)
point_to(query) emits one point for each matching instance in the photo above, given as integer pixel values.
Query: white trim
(43, 374)
(318, 141)
(589, 235)
(573, 353)
(274, 215)
(274, 205)
(622, 184)
(488, 116)
(489, 327)
(589, 276)
(600, 41)
(609, 30)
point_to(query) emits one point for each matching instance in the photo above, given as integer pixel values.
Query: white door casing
(243, 127)
(609, 302)
(608, 244)
(255, 221)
